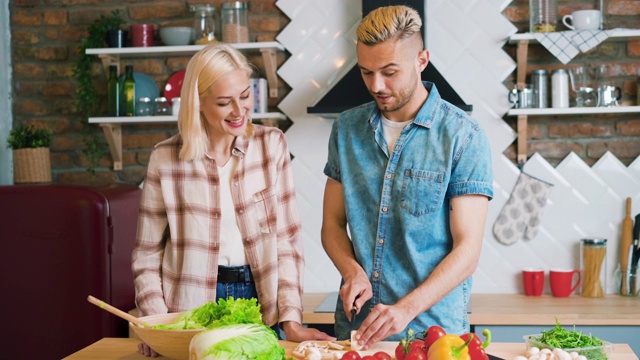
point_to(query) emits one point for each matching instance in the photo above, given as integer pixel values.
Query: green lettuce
(212, 315)
(237, 342)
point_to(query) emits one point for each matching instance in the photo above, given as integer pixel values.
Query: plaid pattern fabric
(175, 260)
(565, 45)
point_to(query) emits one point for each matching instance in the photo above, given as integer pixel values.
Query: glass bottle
(235, 23)
(543, 15)
(204, 23)
(113, 92)
(593, 264)
(128, 97)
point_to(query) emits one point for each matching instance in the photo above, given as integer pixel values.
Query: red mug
(561, 282)
(142, 35)
(533, 280)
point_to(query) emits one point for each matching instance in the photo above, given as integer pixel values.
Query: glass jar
(175, 106)
(162, 106)
(205, 23)
(235, 23)
(543, 15)
(593, 263)
(144, 108)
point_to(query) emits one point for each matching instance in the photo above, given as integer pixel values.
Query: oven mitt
(521, 214)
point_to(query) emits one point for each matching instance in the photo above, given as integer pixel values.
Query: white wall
(6, 119)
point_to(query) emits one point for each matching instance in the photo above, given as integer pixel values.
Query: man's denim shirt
(397, 204)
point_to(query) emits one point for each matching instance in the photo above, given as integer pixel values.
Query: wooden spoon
(115, 311)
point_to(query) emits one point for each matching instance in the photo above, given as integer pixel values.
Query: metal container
(593, 263)
(540, 83)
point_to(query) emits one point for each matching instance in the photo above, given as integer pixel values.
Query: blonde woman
(218, 214)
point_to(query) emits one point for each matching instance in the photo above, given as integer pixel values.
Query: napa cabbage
(237, 342)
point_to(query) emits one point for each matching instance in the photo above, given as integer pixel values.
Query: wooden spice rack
(522, 41)
(112, 126)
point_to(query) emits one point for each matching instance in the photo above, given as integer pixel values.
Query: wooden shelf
(575, 111)
(522, 41)
(112, 56)
(112, 126)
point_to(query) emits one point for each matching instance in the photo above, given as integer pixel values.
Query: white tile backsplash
(465, 38)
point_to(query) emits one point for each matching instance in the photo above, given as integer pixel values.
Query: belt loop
(247, 277)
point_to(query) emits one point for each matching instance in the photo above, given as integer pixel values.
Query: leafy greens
(561, 338)
(237, 342)
(213, 315)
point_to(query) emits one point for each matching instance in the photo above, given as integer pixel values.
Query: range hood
(350, 91)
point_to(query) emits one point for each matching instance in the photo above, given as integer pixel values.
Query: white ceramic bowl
(173, 344)
(177, 35)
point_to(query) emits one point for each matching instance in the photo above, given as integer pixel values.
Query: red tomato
(381, 355)
(351, 355)
(369, 357)
(416, 354)
(434, 333)
(417, 344)
(400, 352)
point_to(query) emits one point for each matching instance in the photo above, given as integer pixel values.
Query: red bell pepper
(476, 346)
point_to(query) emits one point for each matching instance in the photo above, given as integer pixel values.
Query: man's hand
(355, 292)
(296, 332)
(382, 322)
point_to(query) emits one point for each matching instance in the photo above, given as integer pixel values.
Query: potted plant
(86, 94)
(31, 161)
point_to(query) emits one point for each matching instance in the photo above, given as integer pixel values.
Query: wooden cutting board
(328, 353)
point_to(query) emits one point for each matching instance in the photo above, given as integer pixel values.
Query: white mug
(582, 20)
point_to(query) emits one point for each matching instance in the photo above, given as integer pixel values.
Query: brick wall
(45, 39)
(46, 34)
(590, 137)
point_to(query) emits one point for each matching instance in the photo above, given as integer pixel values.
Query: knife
(353, 317)
(636, 255)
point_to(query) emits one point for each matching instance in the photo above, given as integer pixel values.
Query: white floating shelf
(576, 111)
(166, 119)
(179, 50)
(616, 34)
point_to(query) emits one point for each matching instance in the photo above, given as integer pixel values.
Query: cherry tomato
(416, 354)
(381, 355)
(432, 334)
(351, 355)
(417, 344)
(400, 352)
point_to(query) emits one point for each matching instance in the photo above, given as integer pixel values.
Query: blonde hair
(204, 68)
(389, 22)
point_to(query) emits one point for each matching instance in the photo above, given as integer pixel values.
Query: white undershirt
(392, 130)
(231, 246)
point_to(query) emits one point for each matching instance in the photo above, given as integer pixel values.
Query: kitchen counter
(127, 348)
(516, 309)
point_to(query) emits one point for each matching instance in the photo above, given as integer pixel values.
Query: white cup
(582, 20)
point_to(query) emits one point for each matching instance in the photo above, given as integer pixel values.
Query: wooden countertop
(517, 309)
(127, 348)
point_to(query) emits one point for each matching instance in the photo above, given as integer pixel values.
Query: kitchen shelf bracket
(270, 65)
(108, 60)
(523, 120)
(113, 133)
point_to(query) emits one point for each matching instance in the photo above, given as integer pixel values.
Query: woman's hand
(145, 350)
(296, 332)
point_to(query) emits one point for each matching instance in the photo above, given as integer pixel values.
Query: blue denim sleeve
(332, 168)
(472, 173)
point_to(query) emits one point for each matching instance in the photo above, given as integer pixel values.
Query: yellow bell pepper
(449, 347)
